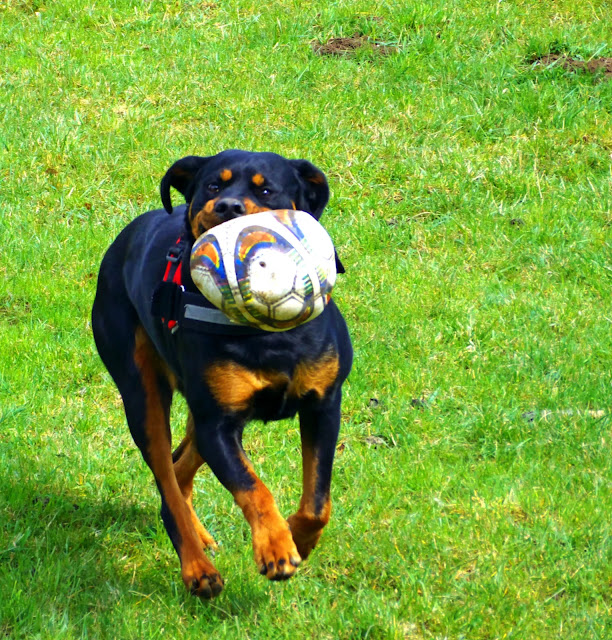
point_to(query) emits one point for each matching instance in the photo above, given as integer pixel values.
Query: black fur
(148, 362)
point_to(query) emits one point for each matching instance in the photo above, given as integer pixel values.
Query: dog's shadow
(104, 550)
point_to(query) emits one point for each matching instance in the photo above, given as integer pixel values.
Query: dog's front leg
(319, 427)
(220, 445)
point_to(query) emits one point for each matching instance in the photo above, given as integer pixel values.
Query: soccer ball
(273, 270)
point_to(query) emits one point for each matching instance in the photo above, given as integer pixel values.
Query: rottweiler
(228, 377)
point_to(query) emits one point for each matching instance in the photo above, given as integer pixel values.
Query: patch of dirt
(347, 46)
(596, 66)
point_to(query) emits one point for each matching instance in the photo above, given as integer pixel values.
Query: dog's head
(236, 183)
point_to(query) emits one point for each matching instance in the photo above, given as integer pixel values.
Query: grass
(472, 208)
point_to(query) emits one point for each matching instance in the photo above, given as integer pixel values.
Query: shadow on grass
(77, 556)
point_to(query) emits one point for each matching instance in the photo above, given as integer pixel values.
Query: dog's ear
(180, 176)
(315, 190)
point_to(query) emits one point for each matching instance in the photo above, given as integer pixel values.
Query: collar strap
(190, 311)
(174, 260)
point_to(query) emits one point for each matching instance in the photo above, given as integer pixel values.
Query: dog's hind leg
(187, 461)
(146, 388)
(147, 408)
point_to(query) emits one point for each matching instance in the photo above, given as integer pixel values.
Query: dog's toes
(202, 579)
(276, 556)
(206, 586)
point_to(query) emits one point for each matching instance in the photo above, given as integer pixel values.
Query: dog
(227, 377)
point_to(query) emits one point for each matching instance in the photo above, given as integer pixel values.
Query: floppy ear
(315, 190)
(180, 176)
(315, 194)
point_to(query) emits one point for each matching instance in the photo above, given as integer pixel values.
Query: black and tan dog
(226, 377)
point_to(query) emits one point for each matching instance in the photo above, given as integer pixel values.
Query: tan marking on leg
(306, 525)
(185, 468)
(274, 550)
(198, 573)
(306, 528)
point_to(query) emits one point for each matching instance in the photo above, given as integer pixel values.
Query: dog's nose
(228, 208)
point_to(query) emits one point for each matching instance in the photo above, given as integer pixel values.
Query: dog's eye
(265, 192)
(213, 188)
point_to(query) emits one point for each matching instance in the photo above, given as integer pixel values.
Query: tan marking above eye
(226, 175)
(258, 179)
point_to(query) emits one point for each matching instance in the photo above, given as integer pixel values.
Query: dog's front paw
(202, 579)
(306, 532)
(275, 552)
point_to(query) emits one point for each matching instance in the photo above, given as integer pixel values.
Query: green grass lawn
(472, 206)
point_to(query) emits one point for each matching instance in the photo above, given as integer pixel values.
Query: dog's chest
(267, 393)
